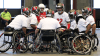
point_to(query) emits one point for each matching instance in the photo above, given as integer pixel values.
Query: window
(1, 3)
(10, 4)
(96, 3)
(71, 4)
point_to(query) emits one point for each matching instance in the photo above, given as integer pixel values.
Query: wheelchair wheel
(82, 45)
(30, 39)
(95, 42)
(5, 43)
(20, 43)
(58, 44)
(36, 44)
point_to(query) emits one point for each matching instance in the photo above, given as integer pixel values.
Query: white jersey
(82, 24)
(18, 22)
(46, 9)
(73, 25)
(31, 20)
(90, 19)
(48, 23)
(63, 18)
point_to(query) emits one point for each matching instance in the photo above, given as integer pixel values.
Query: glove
(84, 34)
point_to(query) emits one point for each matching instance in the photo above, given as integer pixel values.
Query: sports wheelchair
(11, 39)
(74, 42)
(47, 40)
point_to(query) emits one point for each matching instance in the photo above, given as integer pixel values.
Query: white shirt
(46, 9)
(48, 23)
(18, 22)
(73, 25)
(31, 20)
(82, 24)
(63, 18)
(90, 19)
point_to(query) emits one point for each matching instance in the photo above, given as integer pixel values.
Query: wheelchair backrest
(8, 31)
(48, 32)
(47, 35)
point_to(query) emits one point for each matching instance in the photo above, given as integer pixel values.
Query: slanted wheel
(81, 44)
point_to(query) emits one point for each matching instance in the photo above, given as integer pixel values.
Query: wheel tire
(82, 53)
(95, 49)
(59, 42)
(7, 47)
(16, 35)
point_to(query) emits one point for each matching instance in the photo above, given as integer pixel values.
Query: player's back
(17, 22)
(49, 23)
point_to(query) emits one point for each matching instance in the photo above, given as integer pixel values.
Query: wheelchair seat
(48, 35)
(8, 31)
(84, 32)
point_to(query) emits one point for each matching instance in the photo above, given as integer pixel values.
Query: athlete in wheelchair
(82, 43)
(47, 33)
(15, 34)
(67, 35)
(87, 14)
(75, 42)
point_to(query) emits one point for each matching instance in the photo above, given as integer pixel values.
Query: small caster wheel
(90, 53)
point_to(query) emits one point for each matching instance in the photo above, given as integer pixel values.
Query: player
(62, 16)
(73, 24)
(42, 14)
(83, 26)
(35, 10)
(89, 18)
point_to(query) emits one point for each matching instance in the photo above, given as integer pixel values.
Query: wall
(82, 3)
(52, 4)
(30, 3)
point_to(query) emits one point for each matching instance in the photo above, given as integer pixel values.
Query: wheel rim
(4, 45)
(82, 45)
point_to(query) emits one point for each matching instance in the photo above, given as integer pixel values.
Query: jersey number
(60, 20)
(42, 17)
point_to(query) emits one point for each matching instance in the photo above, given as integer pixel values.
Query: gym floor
(10, 53)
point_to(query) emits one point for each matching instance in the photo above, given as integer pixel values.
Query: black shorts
(4, 22)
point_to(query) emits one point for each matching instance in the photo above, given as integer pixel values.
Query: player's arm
(68, 21)
(85, 24)
(24, 30)
(38, 27)
(33, 26)
(68, 25)
(33, 22)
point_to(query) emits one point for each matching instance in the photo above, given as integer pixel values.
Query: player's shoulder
(90, 16)
(74, 20)
(54, 20)
(65, 13)
(20, 16)
(81, 19)
(32, 15)
(56, 13)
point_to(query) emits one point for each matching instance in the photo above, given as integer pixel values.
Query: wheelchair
(82, 44)
(95, 42)
(74, 42)
(47, 40)
(90, 42)
(10, 39)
